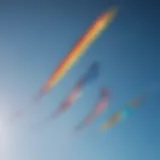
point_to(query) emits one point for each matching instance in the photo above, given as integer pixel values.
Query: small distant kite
(78, 50)
(130, 107)
(124, 112)
(96, 111)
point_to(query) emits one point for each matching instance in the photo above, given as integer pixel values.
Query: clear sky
(35, 36)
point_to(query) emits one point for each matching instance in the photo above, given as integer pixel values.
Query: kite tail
(41, 93)
(56, 113)
(39, 96)
(16, 115)
(107, 125)
(48, 119)
(153, 88)
(78, 128)
(73, 133)
(104, 127)
(89, 119)
(42, 123)
(19, 113)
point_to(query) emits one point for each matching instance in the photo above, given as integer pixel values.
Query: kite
(96, 111)
(78, 50)
(130, 107)
(91, 75)
(124, 112)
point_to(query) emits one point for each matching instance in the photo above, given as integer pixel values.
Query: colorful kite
(124, 112)
(91, 75)
(78, 50)
(131, 106)
(96, 111)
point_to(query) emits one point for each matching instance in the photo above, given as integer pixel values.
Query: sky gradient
(36, 35)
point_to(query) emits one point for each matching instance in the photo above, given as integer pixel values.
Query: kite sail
(96, 111)
(91, 75)
(78, 50)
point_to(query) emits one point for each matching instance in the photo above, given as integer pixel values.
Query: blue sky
(36, 35)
